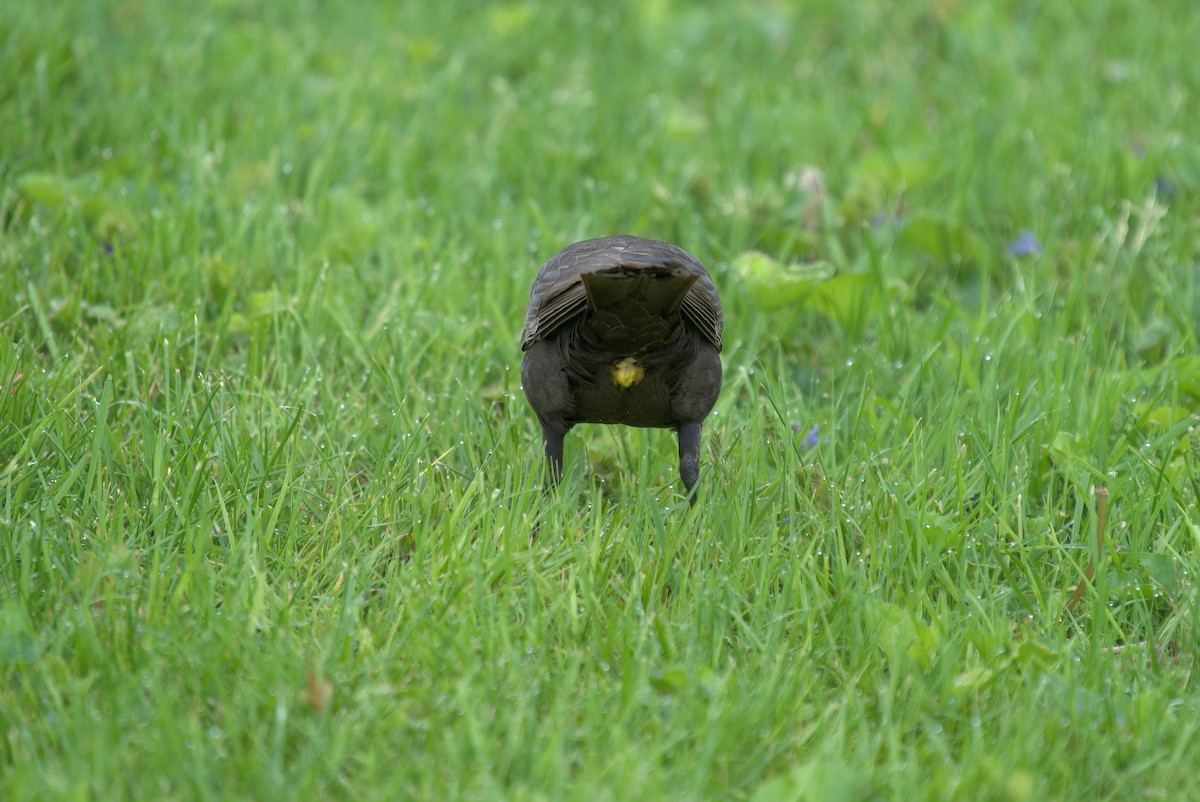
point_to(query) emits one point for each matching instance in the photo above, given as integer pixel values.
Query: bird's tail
(659, 287)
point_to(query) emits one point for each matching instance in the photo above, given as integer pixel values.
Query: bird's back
(628, 285)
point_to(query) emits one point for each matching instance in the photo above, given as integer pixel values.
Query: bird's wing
(702, 310)
(560, 302)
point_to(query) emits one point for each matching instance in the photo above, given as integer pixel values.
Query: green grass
(268, 481)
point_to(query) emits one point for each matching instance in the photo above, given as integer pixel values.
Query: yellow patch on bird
(627, 372)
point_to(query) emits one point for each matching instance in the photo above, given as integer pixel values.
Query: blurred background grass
(268, 477)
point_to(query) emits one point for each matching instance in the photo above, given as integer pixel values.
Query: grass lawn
(268, 479)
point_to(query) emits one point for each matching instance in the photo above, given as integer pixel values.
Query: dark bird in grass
(623, 330)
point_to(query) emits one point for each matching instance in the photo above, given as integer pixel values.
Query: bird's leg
(552, 439)
(689, 456)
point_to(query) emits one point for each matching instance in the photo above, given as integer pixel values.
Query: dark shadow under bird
(623, 330)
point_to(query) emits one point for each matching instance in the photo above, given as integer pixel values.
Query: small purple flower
(1165, 187)
(886, 220)
(812, 437)
(1025, 245)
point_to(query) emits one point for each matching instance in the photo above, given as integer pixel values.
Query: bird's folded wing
(561, 302)
(701, 309)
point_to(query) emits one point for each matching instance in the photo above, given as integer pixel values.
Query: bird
(623, 330)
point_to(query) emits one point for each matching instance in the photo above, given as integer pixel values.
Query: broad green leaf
(971, 681)
(48, 189)
(510, 20)
(1160, 418)
(879, 178)
(1037, 656)
(945, 241)
(1165, 570)
(896, 172)
(773, 285)
(1187, 374)
(683, 124)
(356, 225)
(849, 298)
(267, 302)
(817, 780)
(904, 638)
(107, 217)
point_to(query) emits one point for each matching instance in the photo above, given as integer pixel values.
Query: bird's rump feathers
(599, 273)
(660, 287)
